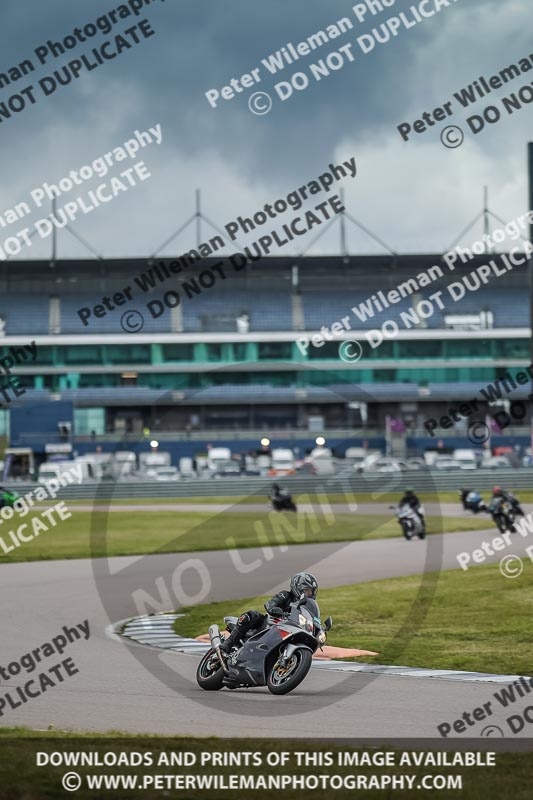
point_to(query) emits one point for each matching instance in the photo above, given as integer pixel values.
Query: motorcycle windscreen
(312, 608)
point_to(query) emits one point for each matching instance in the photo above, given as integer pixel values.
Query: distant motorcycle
(472, 501)
(501, 516)
(8, 498)
(504, 513)
(410, 522)
(277, 656)
(282, 503)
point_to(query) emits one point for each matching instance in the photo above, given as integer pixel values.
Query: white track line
(158, 631)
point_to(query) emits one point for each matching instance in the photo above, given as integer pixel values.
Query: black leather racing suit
(255, 619)
(413, 501)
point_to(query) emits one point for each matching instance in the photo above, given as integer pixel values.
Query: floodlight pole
(530, 266)
(344, 251)
(198, 218)
(486, 220)
(54, 236)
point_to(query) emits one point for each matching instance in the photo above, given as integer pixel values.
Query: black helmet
(409, 490)
(304, 583)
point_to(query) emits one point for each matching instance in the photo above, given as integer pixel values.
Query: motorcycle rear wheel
(206, 678)
(282, 680)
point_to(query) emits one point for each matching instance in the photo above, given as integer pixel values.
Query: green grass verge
(476, 621)
(22, 779)
(125, 533)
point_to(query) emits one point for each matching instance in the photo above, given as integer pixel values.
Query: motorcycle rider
(276, 492)
(472, 501)
(279, 497)
(507, 497)
(300, 583)
(410, 499)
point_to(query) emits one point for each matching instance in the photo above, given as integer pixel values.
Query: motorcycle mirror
(328, 624)
(303, 600)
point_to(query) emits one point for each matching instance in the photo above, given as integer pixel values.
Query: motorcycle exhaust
(216, 641)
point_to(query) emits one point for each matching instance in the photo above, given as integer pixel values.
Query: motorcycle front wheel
(501, 523)
(209, 676)
(283, 679)
(406, 533)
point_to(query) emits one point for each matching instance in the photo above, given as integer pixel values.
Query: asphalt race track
(113, 690)
(431, 509)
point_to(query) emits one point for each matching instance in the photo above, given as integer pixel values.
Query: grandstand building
(227, 360)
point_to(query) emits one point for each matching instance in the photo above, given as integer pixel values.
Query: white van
(53, 470)
(282, 461)
(466, 458)
(322, 460)
(218, 457)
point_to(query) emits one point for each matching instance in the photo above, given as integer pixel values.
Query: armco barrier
(357, 483)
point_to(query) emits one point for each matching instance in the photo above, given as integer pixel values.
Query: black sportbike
(277, 655)
(410, 521)
(282, 502)
(504, 512)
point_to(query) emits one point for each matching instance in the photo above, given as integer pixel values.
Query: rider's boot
(233, 639)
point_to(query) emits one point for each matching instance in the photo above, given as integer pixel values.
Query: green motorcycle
(7, 498)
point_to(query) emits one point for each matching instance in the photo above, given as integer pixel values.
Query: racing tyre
(501, 522)
(282, 680)
(406, 533)
(422, 534)
(208, 675)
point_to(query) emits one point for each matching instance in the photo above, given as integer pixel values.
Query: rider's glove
(276, 612)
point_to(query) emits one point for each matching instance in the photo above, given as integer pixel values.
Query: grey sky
(416, 195)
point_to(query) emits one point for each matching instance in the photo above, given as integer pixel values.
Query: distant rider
(280, 498)
(410, 499)
(279, 604)
(277, 493)
(472, 501)
(507, 497)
